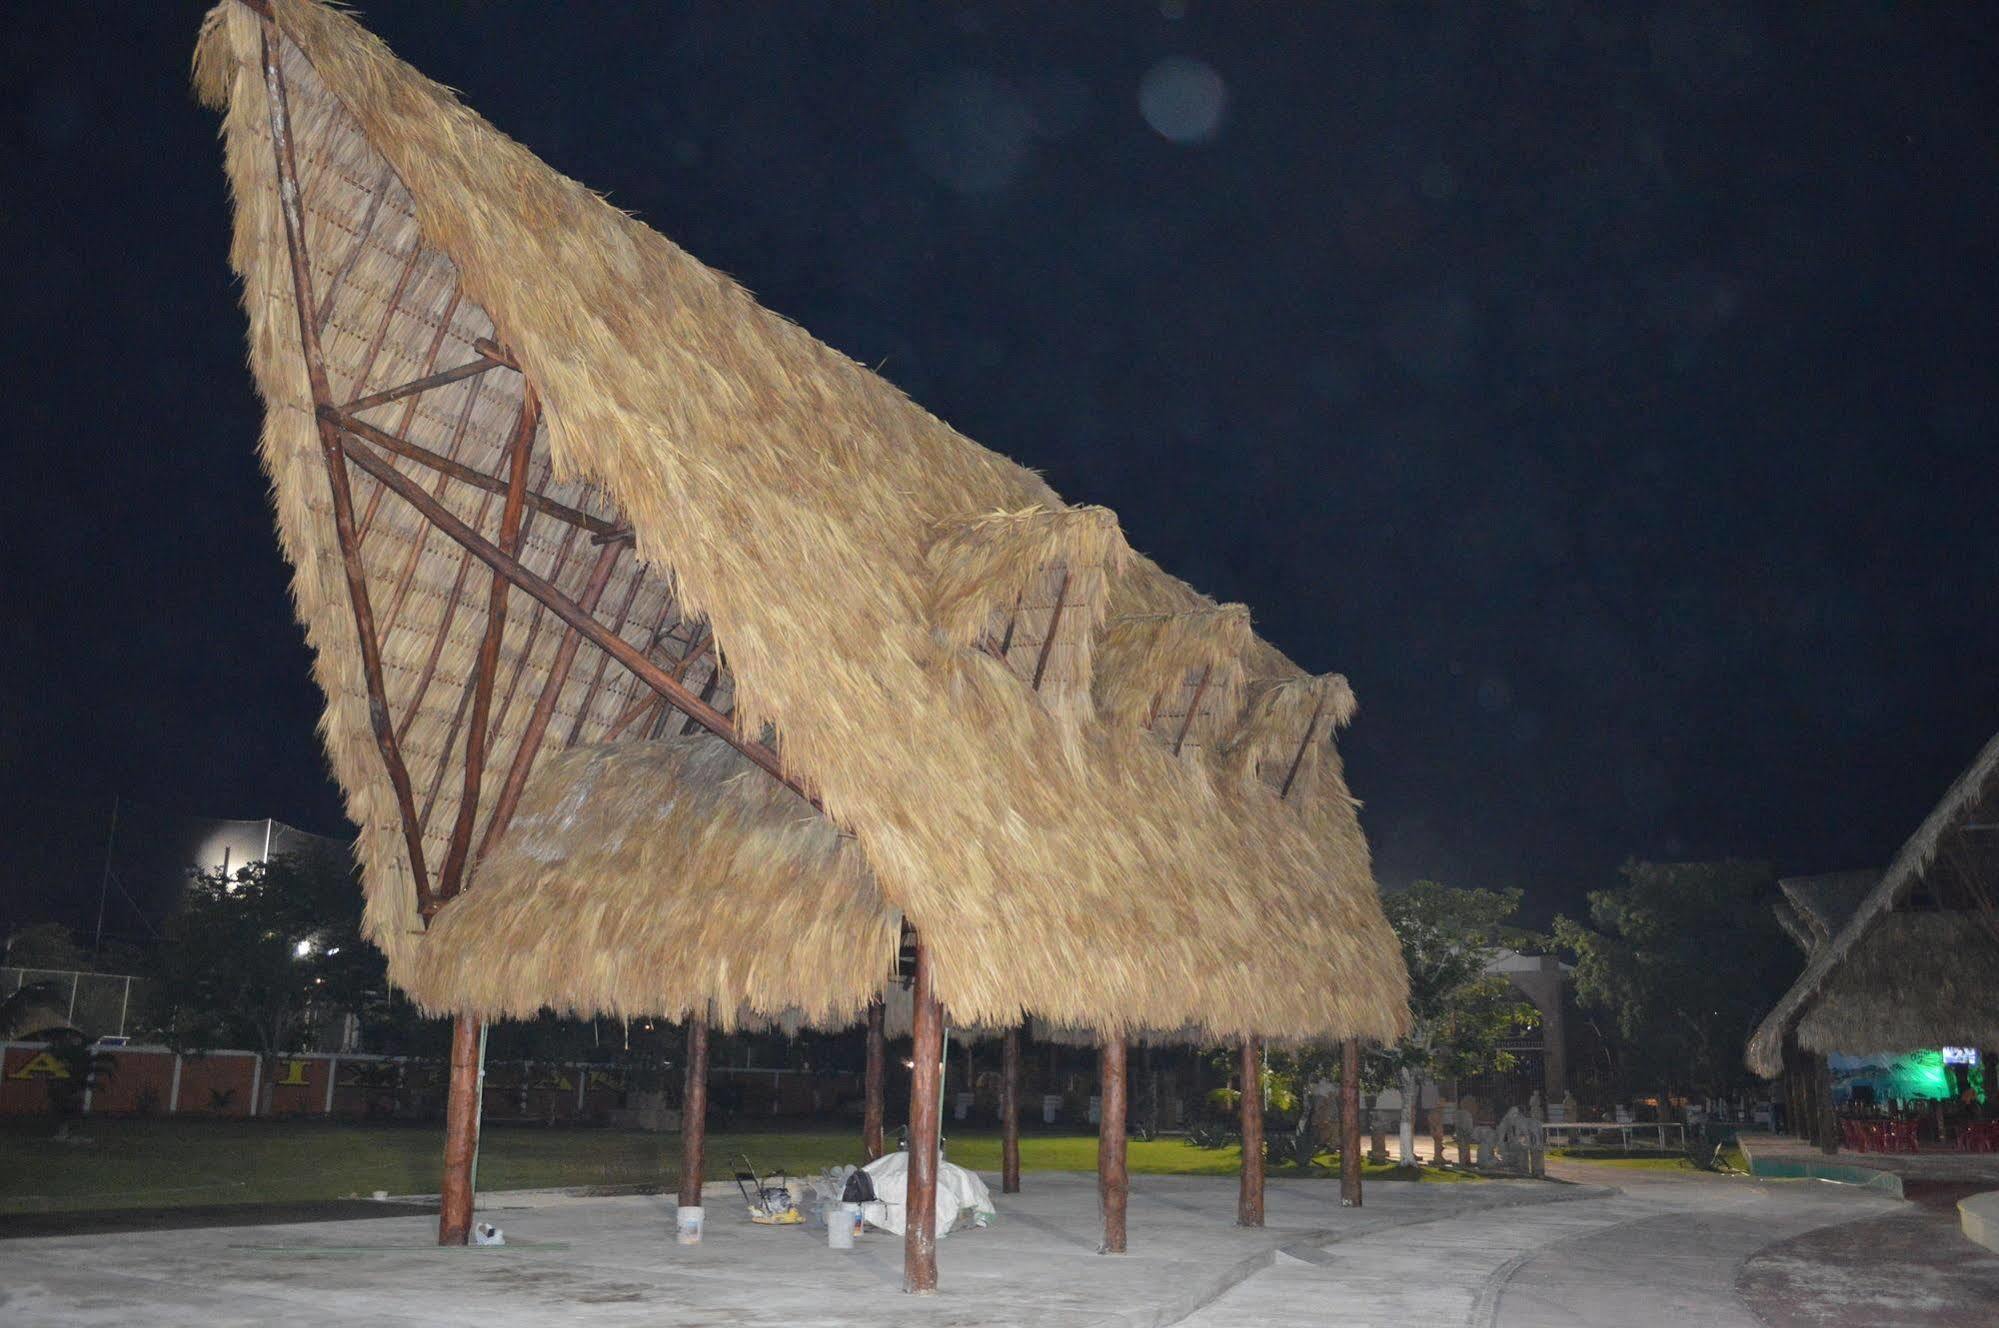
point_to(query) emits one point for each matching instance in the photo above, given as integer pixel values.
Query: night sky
(1608, 391)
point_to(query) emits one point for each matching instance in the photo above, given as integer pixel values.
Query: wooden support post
(1814, 1117)
(877, 1070)
(1113, 1178)
(1010, 1113)
(1249, 1201)
(694, 1113)
(919, 1237)
(1828, 1118)
(461, 1134)
(1350, 1124)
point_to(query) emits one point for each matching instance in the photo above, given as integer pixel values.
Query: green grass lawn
(156, 1163)
(1635, 1161)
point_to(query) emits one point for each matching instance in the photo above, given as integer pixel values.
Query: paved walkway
(1661, 1248)
(1667, 1249)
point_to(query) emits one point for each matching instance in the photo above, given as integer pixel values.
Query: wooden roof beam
(442, 378)
(1304, 744)
(291, 209)
(570, 612)
(1193, 708)
(343, 420)
(452, 875)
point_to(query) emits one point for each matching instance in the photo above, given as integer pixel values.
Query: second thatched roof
(1904, 968)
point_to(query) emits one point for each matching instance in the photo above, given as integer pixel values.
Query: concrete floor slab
(612, 1261)
(1660, 1247)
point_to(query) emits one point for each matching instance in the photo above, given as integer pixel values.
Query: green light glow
(1918, 1074)
(1901, 1076)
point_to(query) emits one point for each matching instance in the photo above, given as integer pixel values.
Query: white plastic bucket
(688, 1221)
(840, 1221)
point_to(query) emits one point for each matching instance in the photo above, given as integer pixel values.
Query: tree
(1459, 1015)
(1685, 957)
(79, 1069)
(32, 1008)
(264, 957)
(46, 945)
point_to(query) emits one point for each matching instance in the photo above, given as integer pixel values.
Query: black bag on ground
(860, 1188)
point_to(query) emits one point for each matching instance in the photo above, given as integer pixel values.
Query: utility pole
(104, 884)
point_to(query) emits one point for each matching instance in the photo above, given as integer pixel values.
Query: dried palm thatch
(1178, 676)
(1822, 904)
(1916, 980)
(1795, 926)
(708, 849)
(782, 506)
(1948, 864)
(1030, 588)
(1284, 740)
(1079, 1038)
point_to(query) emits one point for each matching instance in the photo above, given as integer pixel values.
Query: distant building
(1546, 981)
(1900, 961)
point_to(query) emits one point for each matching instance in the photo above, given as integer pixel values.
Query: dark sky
(1608, 390)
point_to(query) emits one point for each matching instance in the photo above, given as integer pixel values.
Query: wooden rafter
(1193, 708)
(537, 621)
(334, 417)
(544, 707)
(442, 378)
(708, 690)
(567, 609)
(603, 662)
(1054, 626)
(408, 414)
(389, 311)
(362, 233)
(519, 453)
(1304, 745)
(291, 211)
(639, 707)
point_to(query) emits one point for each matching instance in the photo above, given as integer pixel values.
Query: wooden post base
(1249, 1199)
(1113, 1177)
(1010, 1113)
(461, 1134)
(919, 1236)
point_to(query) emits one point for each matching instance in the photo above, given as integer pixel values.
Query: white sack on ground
(962, 1198)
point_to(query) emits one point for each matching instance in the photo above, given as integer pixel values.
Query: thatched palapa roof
(1913, 963)
(1916, 980)
(725, 851)
(822, 560)
(1818, 906)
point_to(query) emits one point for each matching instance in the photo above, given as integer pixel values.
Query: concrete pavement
(1509, 1254)
(1667, 1249)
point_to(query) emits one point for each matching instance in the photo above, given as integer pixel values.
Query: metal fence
(98, 1005)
